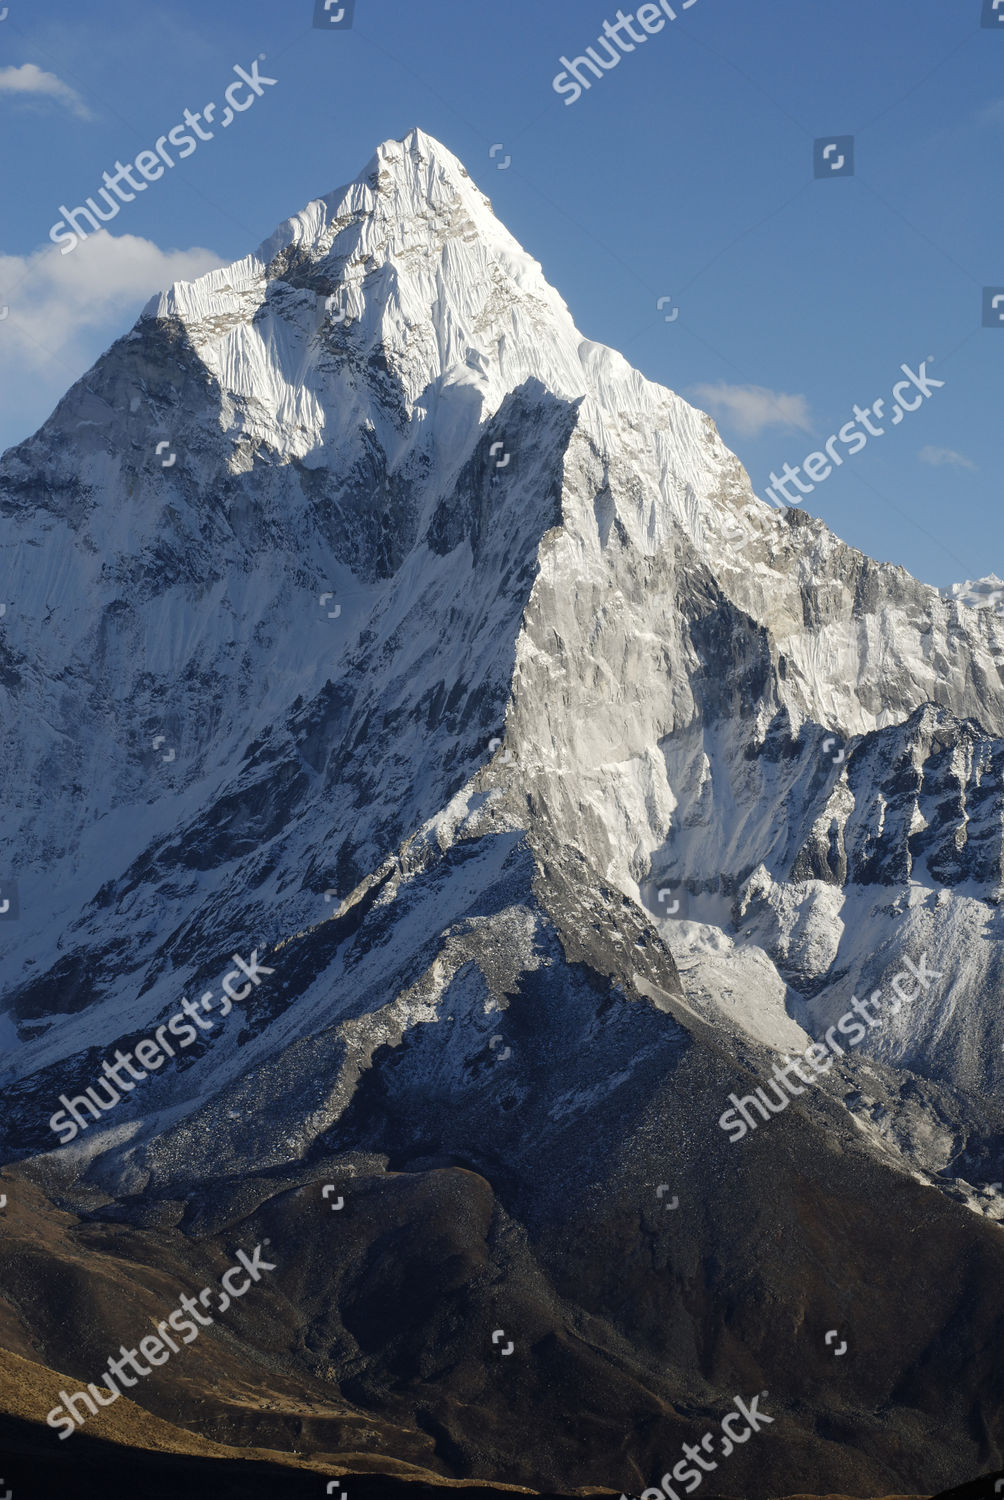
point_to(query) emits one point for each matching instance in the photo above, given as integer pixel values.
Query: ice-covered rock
(441, 611)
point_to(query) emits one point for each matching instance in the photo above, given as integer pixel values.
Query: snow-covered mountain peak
(449, 673)
(401, 305)
(418, 173)
(410, 256)
(406, 278)
(408, 505)
(979, 593)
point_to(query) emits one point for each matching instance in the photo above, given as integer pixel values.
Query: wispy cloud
(31, 82)
(752, 409)
(939, 456)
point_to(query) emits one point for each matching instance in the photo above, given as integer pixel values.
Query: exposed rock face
(455, 670)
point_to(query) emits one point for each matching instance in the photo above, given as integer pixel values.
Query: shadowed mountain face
(546, 789)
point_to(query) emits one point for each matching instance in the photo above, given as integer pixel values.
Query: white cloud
(64, 310)
(939, 456)
(752, 408)
(33, 82)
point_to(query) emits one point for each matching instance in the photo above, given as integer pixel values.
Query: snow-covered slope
(366, 618)
(411, 504)
(983, 593)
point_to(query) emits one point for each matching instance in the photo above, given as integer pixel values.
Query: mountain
(372, 627)
(984, 593)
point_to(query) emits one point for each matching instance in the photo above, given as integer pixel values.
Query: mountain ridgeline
(452, 673)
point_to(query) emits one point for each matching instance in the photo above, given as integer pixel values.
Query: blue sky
(684, 172)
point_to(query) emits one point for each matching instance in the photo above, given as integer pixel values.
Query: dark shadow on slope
(36, 1463)
(392, 739)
